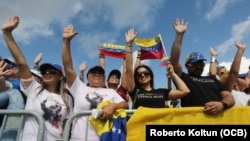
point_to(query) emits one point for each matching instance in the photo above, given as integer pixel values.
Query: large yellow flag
(136, 126)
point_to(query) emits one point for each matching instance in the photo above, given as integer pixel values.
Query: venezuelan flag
(111, 130)
(151, 48)
(164, 61)
(113, 50)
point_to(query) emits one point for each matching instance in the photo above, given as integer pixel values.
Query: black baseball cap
(115, 72)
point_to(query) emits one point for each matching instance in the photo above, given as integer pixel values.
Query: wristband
(213, 59)
(225, 106)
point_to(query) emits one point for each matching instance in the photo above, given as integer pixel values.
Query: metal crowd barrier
(67, 127)
(12, 123)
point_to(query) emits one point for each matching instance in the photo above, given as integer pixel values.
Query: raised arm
(67, 35)
(213, 65)
(7, 29)
(235, 67)
(101, 58)
(82, 67)
(181, 88)
(138, 58)
(180, 28)
(130, 36)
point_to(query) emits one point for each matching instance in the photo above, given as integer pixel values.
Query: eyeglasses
(49, 71)
(10, 66)
(145, 73)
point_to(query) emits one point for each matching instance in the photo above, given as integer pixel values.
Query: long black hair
(137, 84)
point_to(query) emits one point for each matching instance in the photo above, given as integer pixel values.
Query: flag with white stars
(111, 130)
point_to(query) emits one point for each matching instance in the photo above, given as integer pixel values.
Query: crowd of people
(56, 92)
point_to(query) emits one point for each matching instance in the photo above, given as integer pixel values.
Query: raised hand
(240, 45)
(69, 32)
(38, 58)
(213, 51)
(130, 35)
(83, 66)
(11, 24)
(180, 26)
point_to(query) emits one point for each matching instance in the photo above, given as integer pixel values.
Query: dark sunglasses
(49, 71)
(140, 74)
(10, 66)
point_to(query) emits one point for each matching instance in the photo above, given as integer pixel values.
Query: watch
(225, 106)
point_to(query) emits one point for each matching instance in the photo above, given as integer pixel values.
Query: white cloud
(239, 32)
(219, 9)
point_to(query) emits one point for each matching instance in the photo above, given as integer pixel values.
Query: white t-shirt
(87, 98)
(50, 106)
(240, 98)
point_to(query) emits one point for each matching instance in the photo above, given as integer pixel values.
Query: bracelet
(139, 57)
(129, 52)
(101, 56)
(213, 59)
(173, 76)
(225, 106)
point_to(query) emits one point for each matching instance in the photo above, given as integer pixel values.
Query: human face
(113, 79)
(143, 75)
(96, 79)
(50, 75)
(196, 69)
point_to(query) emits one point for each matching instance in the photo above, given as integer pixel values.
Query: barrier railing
(13, 121)
(66, 132)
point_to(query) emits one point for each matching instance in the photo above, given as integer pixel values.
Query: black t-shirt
(152, 99)
(202, 90)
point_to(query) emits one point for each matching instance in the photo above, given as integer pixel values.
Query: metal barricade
(67, 127)
(13, 121)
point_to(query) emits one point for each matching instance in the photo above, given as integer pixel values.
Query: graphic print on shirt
(51, 113)
(94, 99)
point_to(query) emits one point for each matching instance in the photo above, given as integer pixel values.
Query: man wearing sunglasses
(204, 90)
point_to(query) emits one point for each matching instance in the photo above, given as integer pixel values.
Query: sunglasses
(49, 71)
(140, 74)
(10, 66)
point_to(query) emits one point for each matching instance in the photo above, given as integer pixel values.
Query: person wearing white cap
(48, 98)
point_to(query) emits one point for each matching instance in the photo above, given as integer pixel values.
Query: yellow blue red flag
(113, 50)
(164, 61)
(111, 130)
(151, 48)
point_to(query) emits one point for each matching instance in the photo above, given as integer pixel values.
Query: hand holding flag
(151, 48)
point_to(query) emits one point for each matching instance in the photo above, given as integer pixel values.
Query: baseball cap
(96, 69)
(57, 67)
(10, 63)
(36, 73)
(195, 57)
(115, 72)
(242, 75)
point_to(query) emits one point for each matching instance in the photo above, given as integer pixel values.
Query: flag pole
(163, 45)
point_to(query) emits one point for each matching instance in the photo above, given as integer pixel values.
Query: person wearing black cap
(116, 80)
(87, 97)
(49, 98)
(205, 91)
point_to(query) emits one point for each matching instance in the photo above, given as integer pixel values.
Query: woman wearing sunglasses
(48, 98)
(140, 82)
